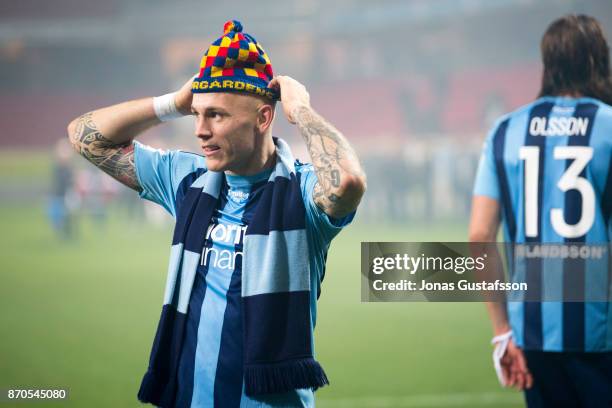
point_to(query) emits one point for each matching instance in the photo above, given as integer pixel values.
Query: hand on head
(184, 96)
(292, 93)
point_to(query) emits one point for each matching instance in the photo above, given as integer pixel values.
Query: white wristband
(501, 345)
(165, 107)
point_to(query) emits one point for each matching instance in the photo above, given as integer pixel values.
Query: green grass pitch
(83, 315)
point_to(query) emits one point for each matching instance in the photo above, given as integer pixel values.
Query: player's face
(226, 126)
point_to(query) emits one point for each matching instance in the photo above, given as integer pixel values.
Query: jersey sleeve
(324, 226)
(486, 183)
(160, 172)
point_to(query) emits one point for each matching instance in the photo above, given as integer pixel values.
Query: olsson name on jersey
(227, 234)
(558, 126)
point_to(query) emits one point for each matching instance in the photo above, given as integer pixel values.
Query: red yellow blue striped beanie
(235, 63)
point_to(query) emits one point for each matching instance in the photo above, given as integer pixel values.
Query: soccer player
(253, 227)
(546, 171)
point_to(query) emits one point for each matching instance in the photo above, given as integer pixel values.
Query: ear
(265, 115)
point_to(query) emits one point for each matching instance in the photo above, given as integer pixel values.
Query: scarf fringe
(151, 387)
(283, 377)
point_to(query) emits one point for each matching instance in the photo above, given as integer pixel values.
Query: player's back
(548, 165)
(552, 159)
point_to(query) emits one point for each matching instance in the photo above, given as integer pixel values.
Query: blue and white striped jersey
(549, 165)
(210, 369)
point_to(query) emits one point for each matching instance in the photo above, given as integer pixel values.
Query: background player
(551, 183)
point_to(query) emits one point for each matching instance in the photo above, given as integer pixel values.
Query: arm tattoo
(333, 159)
(117, 160)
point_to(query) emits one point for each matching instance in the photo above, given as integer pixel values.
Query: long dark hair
(576, 59)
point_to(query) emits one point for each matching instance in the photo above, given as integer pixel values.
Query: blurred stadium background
(413, 84)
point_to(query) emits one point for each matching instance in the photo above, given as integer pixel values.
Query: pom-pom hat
(235, 63)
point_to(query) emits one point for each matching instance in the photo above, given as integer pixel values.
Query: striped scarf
(275, 288)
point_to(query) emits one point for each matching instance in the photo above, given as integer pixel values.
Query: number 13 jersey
(549, 166)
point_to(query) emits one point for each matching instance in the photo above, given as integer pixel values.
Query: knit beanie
(235, 62)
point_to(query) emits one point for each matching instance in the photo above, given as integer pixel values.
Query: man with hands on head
(253, 227)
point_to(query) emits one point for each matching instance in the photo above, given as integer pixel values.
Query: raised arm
(341, 179)
(105, 136)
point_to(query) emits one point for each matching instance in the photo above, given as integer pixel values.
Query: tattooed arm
(341, 180)
(105, 136)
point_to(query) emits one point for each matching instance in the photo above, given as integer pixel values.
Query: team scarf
(278, 340)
